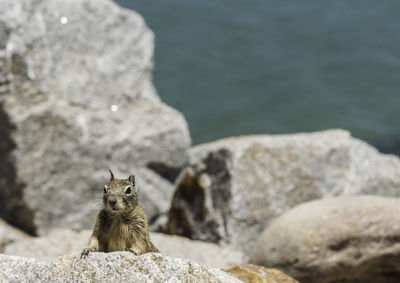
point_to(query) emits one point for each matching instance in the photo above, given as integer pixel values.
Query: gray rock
(234, 187)
(109, 267)
(14, 269)
(201, 252)
(10, 235)
(63, 66)
(344, 239)
(47, 248)
(89, 52)
(155, 195)
(65, 241)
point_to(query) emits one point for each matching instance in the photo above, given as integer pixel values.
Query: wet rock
(234, 187)
(344, 239)
(76, 99)
(109, 267)
(250, 273)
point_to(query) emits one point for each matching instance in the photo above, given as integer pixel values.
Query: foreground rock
(234, 187)
(250, 273)
(77, 99)
(346, 239)
(64, 241)
(10, 235)
(109, 267)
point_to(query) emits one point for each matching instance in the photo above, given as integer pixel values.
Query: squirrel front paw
(132, 250)
(86, 251)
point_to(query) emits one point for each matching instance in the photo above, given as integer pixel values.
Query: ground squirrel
(121, 225)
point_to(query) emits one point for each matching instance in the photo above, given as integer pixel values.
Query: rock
(234, 187)
(9, 235)
(250, 273)
(109, 267)
(155, 196)
(201, 252)
(344, 239)
(46, 248)
(65, 241)
(19, 269)
(76, 99)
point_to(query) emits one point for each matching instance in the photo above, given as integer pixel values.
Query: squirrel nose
(112, 202)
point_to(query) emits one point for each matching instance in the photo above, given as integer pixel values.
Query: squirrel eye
(128, 191)
(105, 188)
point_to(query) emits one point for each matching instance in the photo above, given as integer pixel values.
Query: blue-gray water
(261, 66)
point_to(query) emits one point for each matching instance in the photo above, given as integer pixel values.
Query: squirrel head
(120, 194)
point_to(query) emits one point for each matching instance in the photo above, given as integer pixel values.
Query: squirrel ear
(132, 179)
(112, 175)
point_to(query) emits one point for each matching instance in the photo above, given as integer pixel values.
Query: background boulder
(345, 239)
(234, 187)
(76, 99)
(10, 235)
(209, 254)
(57, 243)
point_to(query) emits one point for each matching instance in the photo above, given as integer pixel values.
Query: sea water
(236, 67)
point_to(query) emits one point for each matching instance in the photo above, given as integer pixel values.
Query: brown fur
(121, 225)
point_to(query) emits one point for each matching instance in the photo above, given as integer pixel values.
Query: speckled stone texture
(353, 239)
(110, 267)
(64, 65)
(14, 269)
(234, 187)
(249, 273)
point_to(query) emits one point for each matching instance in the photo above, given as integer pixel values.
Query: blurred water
(263, 66)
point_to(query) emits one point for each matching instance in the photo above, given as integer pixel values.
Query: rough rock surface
(76, 98)
(64, 241)
(250, 273)
(10, 235)
(234, 187)
(345, 239)
(109, 267)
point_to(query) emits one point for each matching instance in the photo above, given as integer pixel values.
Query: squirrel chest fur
(121, 225)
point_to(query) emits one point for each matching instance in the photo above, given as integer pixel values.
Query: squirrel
(121, 225)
